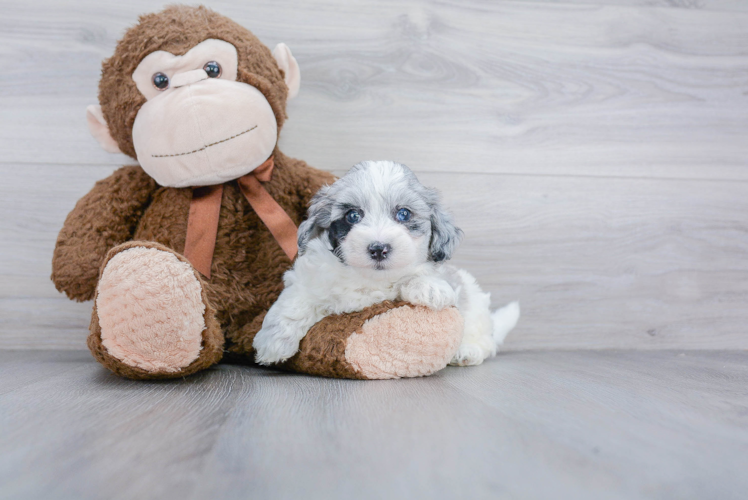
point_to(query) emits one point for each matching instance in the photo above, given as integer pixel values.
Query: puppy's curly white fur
(378, 234)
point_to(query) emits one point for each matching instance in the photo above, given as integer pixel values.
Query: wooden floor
(577, 425)
(594, 151)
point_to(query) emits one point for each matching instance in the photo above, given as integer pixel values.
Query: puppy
(378, 234)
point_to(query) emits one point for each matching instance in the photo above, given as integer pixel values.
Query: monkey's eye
(403, 215)
(213, 69)
(160, 81)
(353, 216)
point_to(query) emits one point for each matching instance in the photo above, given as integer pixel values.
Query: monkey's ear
(287, 62)
(99, 129)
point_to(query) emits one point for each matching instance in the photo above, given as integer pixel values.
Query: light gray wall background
(594, 152)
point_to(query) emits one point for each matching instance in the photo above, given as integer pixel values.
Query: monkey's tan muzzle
(204, 131)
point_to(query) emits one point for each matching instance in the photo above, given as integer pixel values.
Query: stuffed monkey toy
(184, 253)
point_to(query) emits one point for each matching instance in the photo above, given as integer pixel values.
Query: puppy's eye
(353, 216)
(160, 81)
(213, 69)
(403, 215)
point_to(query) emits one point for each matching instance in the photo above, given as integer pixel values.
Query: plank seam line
(432, 172)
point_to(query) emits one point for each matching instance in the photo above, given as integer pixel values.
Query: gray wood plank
(577, 425)
(559, 88)
(21, 368)
(595, 262)
(727, 5)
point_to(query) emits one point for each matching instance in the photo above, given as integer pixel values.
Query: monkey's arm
(107, 216)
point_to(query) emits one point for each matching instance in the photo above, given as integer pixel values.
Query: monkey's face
(199, 125)
(196, 98)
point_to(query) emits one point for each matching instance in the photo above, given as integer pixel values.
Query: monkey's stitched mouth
(207, 145)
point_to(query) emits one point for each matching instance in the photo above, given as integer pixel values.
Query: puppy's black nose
(379, 251)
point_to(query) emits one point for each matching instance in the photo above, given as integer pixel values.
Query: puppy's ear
(318, 218)
(445, 236)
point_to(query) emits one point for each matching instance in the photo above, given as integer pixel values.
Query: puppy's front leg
(429, 291)
(286, 323)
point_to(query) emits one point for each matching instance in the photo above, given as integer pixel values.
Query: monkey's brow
(207, 145)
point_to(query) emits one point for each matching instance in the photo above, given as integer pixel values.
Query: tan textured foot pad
(405, 342)
(150, 310)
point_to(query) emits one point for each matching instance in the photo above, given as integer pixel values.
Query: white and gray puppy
(378, 234)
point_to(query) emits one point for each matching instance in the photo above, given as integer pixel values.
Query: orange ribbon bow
(205, 208)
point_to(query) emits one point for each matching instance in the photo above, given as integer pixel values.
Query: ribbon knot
(205, 209)
(264, 172)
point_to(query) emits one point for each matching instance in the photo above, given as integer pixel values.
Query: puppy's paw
(468, 355)
(430, 292)
(274, 345)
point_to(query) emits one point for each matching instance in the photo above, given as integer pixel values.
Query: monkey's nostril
(378, 251)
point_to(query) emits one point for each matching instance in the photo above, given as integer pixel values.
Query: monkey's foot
(385, 341)
(151, 317)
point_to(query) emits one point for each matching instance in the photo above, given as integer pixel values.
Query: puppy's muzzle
(379, 251)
